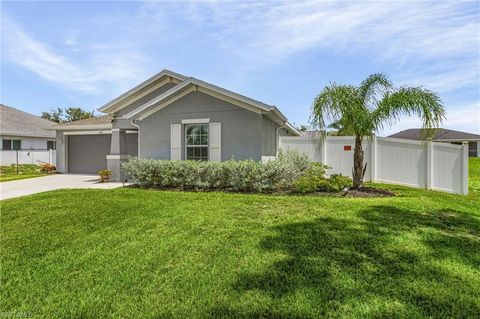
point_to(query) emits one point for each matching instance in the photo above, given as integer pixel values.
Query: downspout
(138, 136)
(277, 137)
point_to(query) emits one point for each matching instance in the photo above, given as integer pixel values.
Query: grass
(9, 173)
(131, 253)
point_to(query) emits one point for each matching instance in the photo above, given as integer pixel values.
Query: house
(171, 116)
(24, 131)
(446, 136)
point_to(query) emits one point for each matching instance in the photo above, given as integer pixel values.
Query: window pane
(204, 140)
(17, 144)
(51, 145)
(7, 144)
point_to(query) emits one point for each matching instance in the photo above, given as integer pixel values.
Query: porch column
(118, 153)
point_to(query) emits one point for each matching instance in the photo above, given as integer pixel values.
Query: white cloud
(101, 68)
(407, 34)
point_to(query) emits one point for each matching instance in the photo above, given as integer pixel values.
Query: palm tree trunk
(358, 163)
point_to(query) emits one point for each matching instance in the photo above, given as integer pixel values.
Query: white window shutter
(176, 141)
(215, 143)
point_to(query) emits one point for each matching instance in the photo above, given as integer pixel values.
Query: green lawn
(131, 253)
(9, 173)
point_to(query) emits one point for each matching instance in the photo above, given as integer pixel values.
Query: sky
(66, 53)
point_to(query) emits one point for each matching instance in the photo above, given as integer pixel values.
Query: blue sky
(282, 53)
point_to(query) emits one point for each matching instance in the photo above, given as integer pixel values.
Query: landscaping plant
(47, 168)
(240, 176)
(104, 175)
(365, 109)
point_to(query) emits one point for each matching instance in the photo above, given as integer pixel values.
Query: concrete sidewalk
(35, 185)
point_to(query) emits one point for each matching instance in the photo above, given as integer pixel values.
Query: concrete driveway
(35, 185)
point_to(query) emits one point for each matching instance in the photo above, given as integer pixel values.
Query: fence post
(324, 150)
(465, 168)
(373, 158)
(429, 174)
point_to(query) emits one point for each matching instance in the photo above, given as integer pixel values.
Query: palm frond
(418, 101)
(377, 83)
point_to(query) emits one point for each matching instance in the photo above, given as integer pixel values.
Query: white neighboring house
(27, 133)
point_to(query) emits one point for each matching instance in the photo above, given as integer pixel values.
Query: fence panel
(9, 157)
(426, 164)
(401, 162)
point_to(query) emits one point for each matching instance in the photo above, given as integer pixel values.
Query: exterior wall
(473, 149)
(29, 143)
(430, 165)
(62, 152)
(241, 129)
(269, 137)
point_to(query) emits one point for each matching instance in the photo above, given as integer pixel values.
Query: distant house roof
(14, 122)
(441, 134)
(97, 120)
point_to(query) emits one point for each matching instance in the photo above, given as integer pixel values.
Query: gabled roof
(14, 122)
(441, 134)
(157, 78)
(185, 85)
(103, 121)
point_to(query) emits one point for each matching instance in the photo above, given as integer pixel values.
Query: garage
(88, 153)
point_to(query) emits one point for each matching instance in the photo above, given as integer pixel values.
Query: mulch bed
(363, 192)
(369, 192)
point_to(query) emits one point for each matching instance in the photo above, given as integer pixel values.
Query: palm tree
(365, 109)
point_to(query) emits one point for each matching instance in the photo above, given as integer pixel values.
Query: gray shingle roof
(14, 122)
(441, 134)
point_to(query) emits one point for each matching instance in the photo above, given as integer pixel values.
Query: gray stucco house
(171, 116)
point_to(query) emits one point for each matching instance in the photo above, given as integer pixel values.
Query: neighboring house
(24, 131)
(171, 116)
(446, 136)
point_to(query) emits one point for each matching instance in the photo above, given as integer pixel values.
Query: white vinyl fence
(9, 157)
(428, 165)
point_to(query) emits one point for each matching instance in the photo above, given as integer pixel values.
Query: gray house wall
(127, 124)
(242, 130)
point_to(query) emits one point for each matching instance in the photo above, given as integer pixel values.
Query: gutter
(138, 136)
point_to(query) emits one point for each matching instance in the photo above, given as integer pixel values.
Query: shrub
(314, 180)
(240, 176)
(311, 180)
(47, 168)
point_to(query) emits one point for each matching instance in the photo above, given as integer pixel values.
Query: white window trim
(196, 121)
(185, 139)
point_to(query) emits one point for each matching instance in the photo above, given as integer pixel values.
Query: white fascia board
(293, 129)
(165, 73)
(458, 140)
(195, 121)
(83, 127)
(100, 132)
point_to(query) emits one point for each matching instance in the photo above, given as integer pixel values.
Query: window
(51, 145)
(196, 142)
(17, 144)
(11, 144)
(7, 144)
